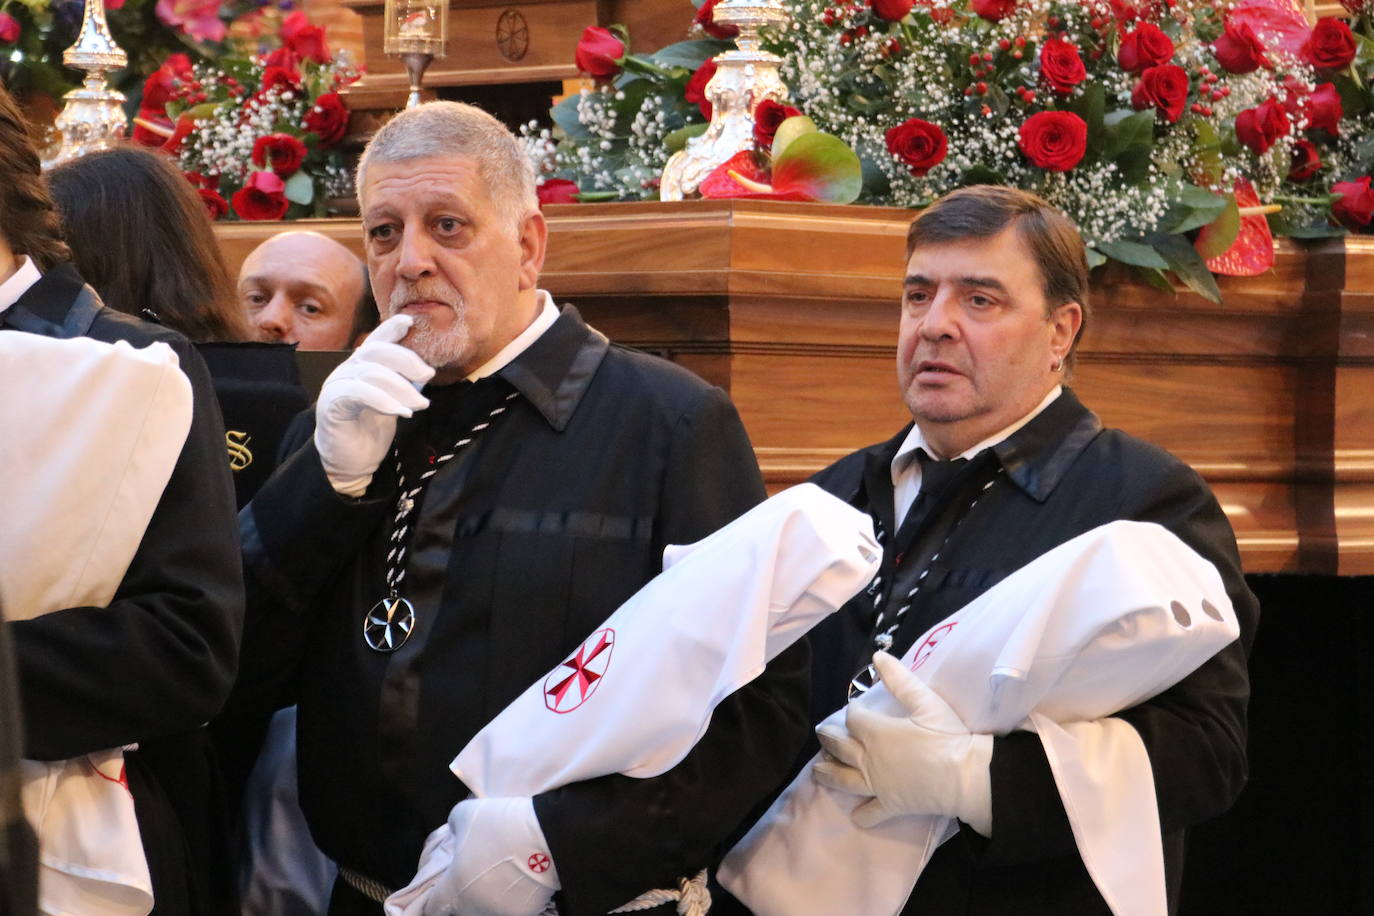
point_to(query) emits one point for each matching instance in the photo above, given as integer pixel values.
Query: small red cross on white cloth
(538, 863)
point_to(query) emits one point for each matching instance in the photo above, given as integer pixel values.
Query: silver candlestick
(744, 78)
(92, 115)
(416, 31)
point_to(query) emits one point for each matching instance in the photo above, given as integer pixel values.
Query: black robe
(522, 546)
(157, 663)
(1064, 475)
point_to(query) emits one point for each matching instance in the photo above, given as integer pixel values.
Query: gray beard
(437, 349)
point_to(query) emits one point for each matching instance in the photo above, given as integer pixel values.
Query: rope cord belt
(389, 623)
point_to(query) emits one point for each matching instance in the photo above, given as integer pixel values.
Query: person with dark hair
(139, 235)
(1001, 464)
(155, 663)
(307, 289)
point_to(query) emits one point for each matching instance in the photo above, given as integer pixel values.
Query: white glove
(355, 416)
(923, 763)
(501, 863)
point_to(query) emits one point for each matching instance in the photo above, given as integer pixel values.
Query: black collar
(60, 304)
(553, 373)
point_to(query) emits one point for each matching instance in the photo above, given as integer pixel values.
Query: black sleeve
(616, 837)
(1194, 732)
(160, 658)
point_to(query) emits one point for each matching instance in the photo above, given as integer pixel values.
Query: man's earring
(1058, 366)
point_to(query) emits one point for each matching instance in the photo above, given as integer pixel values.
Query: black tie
(936, 474)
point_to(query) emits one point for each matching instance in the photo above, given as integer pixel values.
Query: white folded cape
(1099, 624)
(89, 435)
(636, 696)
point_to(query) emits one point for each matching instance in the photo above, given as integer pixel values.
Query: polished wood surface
(792, 308)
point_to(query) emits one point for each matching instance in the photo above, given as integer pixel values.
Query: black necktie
(936, 474)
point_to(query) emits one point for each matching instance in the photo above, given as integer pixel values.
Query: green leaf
(1134, 163)
(875, 180)
(820, 166)
(1095, 258)
(689, 54)
(1129, 129)
(1156, 278)
(678, 138)
(791, 129)
(1194, 208)
(1187, 264)
(1221, 232)
(1090, 106)
(300, 189)
(1137, 254)
(981, 174)
(564, 115)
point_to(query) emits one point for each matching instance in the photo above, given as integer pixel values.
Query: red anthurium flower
(1324, 110)
(557, 191)
(920, 145)
(706, 18)
(1260, 127)
(1061, 65)
(263, 196)
(1331, 46)
(1252, 251)
(1144, 46)
(1054, 140)
(1164, 87)
(1239, 50)
(599, 53)
(284, 151)
(1306, 161)
(1355, 209)
(695, 91)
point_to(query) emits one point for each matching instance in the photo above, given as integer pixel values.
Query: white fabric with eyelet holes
(1057, 648)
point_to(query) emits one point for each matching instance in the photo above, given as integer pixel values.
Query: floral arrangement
(34, 33)
(259, 135)
(1174, 132)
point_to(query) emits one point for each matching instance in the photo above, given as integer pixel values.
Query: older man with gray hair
(489, 479)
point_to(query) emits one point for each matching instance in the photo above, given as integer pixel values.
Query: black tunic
(157, 663)
(523, 545)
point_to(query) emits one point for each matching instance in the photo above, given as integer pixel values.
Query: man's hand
(923, 763)
(355, 416)
(501, 863)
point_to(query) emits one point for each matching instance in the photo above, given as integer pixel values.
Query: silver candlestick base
(744, 78)
(417, 63)
(92, 115)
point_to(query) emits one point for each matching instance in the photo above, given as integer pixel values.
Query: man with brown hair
(152, 666)
(1001, 464)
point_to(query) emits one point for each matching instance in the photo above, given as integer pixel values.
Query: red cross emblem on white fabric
(932, 641)
(538, 863)
(572, 683)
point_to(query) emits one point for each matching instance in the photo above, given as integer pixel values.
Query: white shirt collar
(548, 314)
(914, 440)
(27, 275)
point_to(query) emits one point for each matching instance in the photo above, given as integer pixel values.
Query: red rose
(557, 191)
(1054, 140)
(920, 145)
(327, 119)
(217, 206)
(286, 60)
(1164, 87)
(1260, 127)
(280, 79)
(1330, 46)
(599, 53)
(994, 10)
(261, 197)
(1324, 109)
(303, 38)
(706, 18)
(1306, 162)
(768, 117)
(1239, 50)
(1061, 65)
(9, 28)
(893, 10)
(1144, 46)
(283, 150)
(163, 84)
(695, 91)
(1356, 207)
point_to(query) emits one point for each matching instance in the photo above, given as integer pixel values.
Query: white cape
(89, 435)
(1099, 624)
(640, 691)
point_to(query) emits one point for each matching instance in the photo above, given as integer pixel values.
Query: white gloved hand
(355, 416)
(501, 863)
(923, 763)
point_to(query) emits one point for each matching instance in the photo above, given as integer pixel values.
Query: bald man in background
(307, 289)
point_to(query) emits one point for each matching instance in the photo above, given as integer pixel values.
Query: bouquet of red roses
(258, 136)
